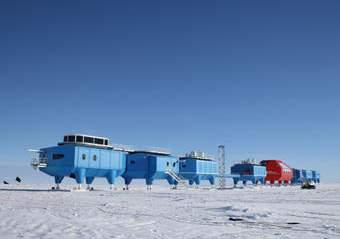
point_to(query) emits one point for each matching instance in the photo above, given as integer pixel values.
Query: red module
(277, 171)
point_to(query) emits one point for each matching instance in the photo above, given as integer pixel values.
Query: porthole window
(83, 156)
(167, 163)
(132, 162)
(94, 157)
(174, 164)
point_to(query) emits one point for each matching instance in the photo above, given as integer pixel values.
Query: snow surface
(263, 212)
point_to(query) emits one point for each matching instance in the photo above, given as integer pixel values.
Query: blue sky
(261, 77)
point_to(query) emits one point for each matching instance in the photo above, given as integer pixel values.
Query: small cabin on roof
(86, 140)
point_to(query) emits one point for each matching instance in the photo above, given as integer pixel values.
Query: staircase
(39, 160)
(178, 178)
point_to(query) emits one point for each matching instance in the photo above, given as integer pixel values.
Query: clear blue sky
(261, 77)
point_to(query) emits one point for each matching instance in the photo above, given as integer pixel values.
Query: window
(83, 156)
(98, 141)
(183, 165)
(132, 162)
(174, 164)
(65, 138)
(80, 139)
(167, 163)
(71, 138)
(57, 156)
(106, 142)
(42, 155)
(88, 140)
(94, 157)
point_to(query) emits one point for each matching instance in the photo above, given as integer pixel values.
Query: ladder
(178, 178)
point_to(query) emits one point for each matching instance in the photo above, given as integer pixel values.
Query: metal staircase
(178, 178)
(39, 159)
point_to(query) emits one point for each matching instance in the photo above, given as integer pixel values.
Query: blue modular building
(150, 166)
(247, 171)
(196, 167)
(297, 176)
(316, 176)
(307, 175)
(83, 158)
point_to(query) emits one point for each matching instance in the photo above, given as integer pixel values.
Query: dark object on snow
(293, 223)
(307, 185)
(5, 182)
(18, 179)
(235, 219)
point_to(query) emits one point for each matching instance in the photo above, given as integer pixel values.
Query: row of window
(94, 157)
(85, 139)
(167, 163)
(83, 156)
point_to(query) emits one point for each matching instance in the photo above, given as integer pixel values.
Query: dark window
(167, 163)
(79, 139)
(106, 142)
(98, 141)
(65, 138)
(132, 162)
(183, 165)
(174, 164)
(57, 156)
(42, 155)
(83, 156)
(88, 140)
(71, 138)
(94, 157)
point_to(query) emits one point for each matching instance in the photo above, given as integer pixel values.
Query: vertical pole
(221, 166)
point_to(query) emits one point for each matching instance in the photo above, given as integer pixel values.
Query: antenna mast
(221, 166)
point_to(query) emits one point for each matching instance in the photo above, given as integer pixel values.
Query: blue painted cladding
(149, 166)
(196, 170)
(297, 176)
(83, 161)
(248, 172)
(60, 167)
(249, 169)
(307, 174)
(196, 166)
(96, 158)
(316, 176)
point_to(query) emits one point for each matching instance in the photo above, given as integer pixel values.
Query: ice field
(31, 211)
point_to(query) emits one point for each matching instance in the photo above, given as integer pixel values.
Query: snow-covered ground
(264, 212)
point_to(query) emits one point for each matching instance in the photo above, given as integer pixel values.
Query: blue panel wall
(196, 170)
(149, 166)
(85, 162)
(307, 174)
(316, 176)
(62, 166)
(248, 172)
(297, 176)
